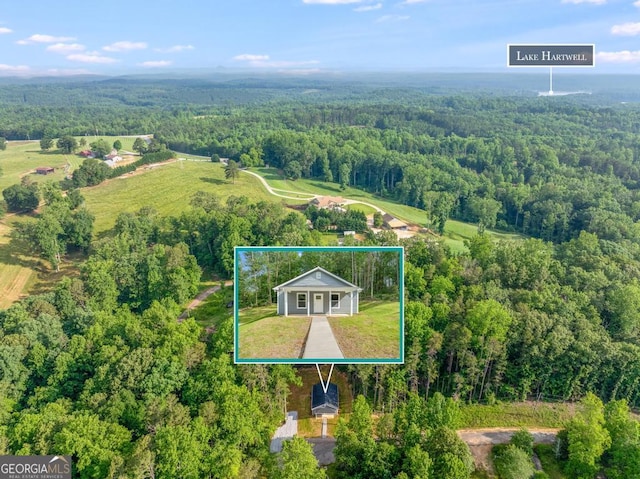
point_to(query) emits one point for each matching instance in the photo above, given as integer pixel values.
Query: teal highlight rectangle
(240, 249)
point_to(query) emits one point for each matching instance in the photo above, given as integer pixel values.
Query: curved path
(310, 196)
(273, 190)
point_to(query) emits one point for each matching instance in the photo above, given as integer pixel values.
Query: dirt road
(200, 298)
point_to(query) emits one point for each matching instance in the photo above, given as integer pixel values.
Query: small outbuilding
(393, 223)
(45, 170)
(317, 292)
(324, 403)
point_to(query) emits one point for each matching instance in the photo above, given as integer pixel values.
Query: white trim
(321, 303)
(317, 268)
(331, 300)
(298, 300)
(351, 305)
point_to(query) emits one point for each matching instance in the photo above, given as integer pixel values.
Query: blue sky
(305, 36)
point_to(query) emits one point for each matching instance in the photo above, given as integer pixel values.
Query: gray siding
(310, 280)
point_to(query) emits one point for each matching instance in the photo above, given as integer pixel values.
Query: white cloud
(65, 48)
(13, 69)
(5, 30)
(413, 2)
(39, 38)
(637, 4)
(624, 56)
(368, 8)
(628, 29)
(125, 46)
(248, 57)
(331, 2)
(155, 63)
(175, 49)
(90, 57)
(392, 18)
(576, 2)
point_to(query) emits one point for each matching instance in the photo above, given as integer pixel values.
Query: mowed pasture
(167, 187)
(455, 231)
(23, 157)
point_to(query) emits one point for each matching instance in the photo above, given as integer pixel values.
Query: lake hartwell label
(35, 467)
(550, 55)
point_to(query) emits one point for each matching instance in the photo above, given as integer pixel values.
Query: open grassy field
(262, 334)
(168, 188)
(522, 414)
(299, 400)
(22, 157)
(373, 333)
(455, 231)
(17, 270)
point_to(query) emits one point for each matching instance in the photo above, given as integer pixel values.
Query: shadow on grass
(251, 315)
(326, 186)
(214, 181)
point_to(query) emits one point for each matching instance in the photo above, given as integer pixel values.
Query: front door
(318, 303)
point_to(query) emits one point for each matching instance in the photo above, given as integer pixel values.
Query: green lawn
(525, 414)
(366, 209)
(168, 188)
(373, 333)
(263, 335)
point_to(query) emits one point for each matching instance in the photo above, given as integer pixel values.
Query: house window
(335, 300)
(318, 275)
(302, 300)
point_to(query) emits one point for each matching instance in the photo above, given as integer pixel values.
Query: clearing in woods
(166, 187)
(455, 232)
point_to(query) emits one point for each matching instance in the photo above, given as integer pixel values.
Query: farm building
(317, 292)
(87, 154)
(324, 403)
(393, 223)
(45, 170)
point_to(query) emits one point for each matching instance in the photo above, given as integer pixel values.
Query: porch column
(329, 302)
(351, 303)
(308, 303)
(286, 303)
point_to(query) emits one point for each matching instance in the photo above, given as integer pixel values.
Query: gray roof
(309, 280)
(320, 399)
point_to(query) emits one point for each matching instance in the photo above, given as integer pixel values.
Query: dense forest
(99, 368)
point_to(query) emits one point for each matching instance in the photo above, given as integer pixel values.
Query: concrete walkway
(321, 343)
